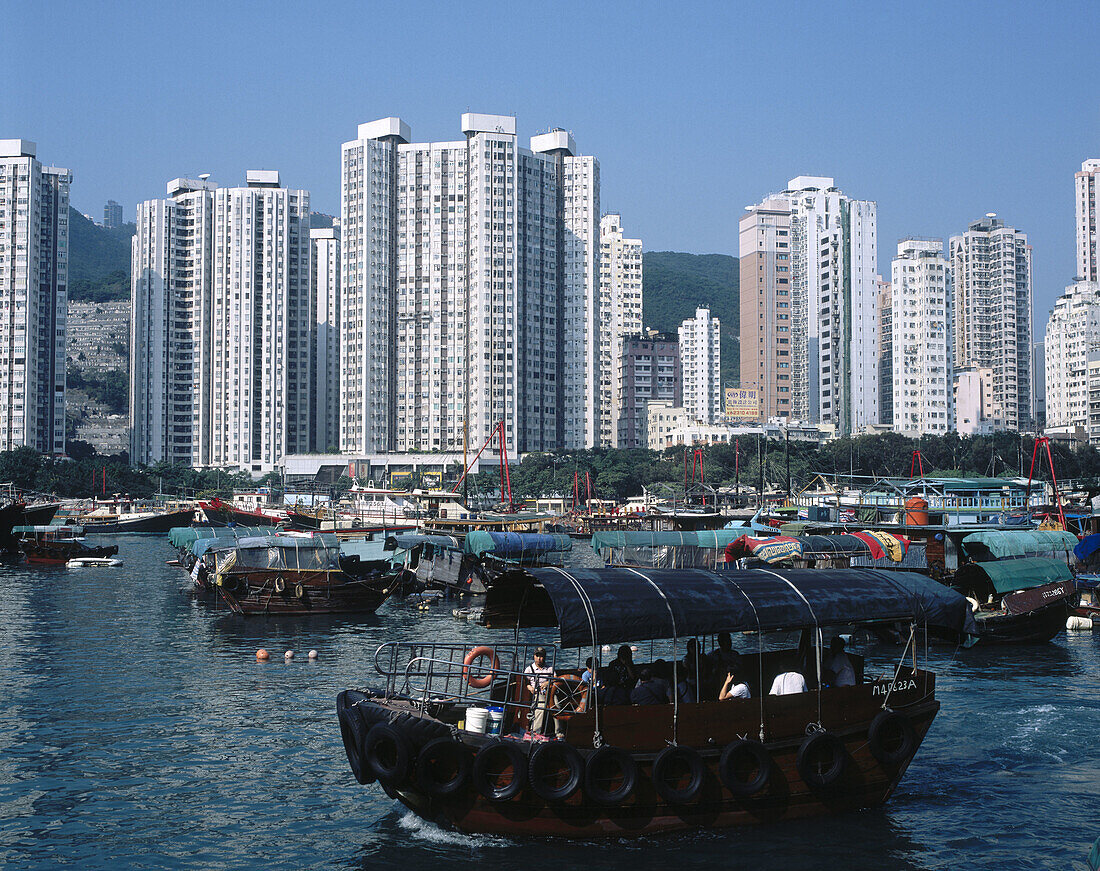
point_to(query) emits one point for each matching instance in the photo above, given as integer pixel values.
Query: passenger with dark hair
(624, 668)
(611, 692)
(651, 690)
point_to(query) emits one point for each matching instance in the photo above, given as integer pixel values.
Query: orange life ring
(479, 683)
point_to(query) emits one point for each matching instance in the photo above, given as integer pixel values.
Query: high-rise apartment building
(767, 311)
(1088, 240)
(885, 354)
(470, 289)
(834, 324)
(1072, 340)
(112, 215)
(649, 371)
(222, 325)
(620, 316)
(921, 393)
(990, 273)
(701, 366)
(325, 396)
(34, 269)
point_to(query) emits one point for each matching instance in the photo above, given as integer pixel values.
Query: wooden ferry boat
(57, 545)
(1018, 601)
(296, 576)
(625, 770)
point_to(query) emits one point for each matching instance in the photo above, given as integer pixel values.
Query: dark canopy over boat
(597, 606)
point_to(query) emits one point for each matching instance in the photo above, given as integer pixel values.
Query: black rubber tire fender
(484, 759)
(550, 757)
(815, 743)
(353, 732)
(387, 752)
(689, 791)
(880, 728)
(727, 767)
(629, 780)
(435, 751)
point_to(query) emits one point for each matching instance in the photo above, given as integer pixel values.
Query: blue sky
(939, 112)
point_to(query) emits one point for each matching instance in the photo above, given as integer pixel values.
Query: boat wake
(423, 830)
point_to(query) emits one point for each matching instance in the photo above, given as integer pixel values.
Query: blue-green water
(138, 730)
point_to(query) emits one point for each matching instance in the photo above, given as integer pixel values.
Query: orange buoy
(262, 655)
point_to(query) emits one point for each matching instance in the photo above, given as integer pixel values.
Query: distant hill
(675, 284)
(99, 260)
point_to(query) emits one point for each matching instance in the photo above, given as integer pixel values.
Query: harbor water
(137, 729)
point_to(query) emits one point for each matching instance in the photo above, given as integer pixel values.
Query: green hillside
(675, 284)
(99, 260)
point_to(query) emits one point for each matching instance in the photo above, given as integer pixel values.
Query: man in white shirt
(788, 683)
(539, 675)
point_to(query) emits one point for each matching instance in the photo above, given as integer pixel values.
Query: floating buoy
(1078, 623)
(288, 655)
(262, 655)
(313, 654)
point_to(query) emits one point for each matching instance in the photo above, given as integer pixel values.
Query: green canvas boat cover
(997, 544)
(1010, 575)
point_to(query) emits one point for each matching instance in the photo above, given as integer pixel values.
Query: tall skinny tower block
(991, 279)
(766, 310)
(1072, 341)
(701, 362)
(469, 289)
(1088, 240)
(834, 296)
(222, 325)
(34, 268)
(920, 340)
(325, 396)
(620, 316)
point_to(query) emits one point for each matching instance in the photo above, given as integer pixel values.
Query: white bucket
(496, 720)
(1080, 623)
(476, 719)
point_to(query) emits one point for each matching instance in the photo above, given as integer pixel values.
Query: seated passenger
(651, 690)
(788, 683)
(734, 688)
(610, 691)
(589, 672)
(840, 664)
(624, 668)
(720, 661)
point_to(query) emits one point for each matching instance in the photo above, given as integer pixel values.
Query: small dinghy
(85, 561)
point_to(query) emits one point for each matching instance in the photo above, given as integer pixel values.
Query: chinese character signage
(743, 403)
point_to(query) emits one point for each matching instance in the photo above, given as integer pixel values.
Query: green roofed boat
(1018, 600)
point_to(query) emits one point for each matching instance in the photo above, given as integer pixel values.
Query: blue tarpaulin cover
(1087, 546)
(598, 606)
(515, 544)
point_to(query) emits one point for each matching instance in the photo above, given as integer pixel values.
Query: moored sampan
(626, 769)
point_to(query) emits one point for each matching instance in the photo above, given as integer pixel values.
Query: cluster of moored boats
(524, 735)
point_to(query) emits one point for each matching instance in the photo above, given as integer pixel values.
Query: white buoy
(288, 655)
(313, 654)
(1079, 623)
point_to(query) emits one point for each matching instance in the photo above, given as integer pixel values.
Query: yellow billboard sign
(743, 403)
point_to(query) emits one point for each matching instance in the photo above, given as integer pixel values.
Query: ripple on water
(137, 728)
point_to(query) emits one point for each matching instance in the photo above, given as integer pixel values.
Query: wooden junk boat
(625, 770)
(295, 575)
(1018, 600)
(57, 545)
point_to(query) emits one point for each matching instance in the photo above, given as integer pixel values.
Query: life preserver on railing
(566, 697)
(280, 584)
(387, 752)
(479, 683)
(821, 760)
(443, 767)
(743, 757)
(500, 771)
(353, 732)
(666, 775)
(606, 766)
(555, 771)
(892, 737)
